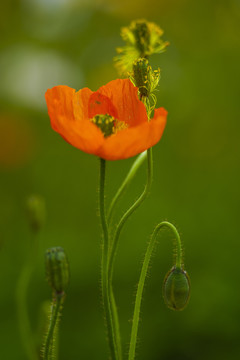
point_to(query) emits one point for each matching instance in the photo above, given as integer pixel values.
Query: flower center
(108, 124)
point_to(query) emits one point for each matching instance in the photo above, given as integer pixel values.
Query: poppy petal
(124, 97)
(100, 104)
(68, 114)
(134, 140)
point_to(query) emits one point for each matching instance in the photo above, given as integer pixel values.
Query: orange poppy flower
(74, 115)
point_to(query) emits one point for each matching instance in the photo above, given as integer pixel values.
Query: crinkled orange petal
(68, 112)
(124, 97)
(134, 140)
(100, 104)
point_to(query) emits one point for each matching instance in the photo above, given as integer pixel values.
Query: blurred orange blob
(16, 142)
(147, 8)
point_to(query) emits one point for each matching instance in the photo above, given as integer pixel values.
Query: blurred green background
(196, 174)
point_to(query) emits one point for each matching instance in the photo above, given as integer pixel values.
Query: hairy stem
(129, 212)
(113, 249)
(132, 172)
(104, 272)
(49, 346)
(117, 334)
(142, 279)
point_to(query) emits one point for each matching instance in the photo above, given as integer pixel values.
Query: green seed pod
(145, 78)
(140, 75)
(57, 269)
(35, 206)
(105, 123)
(176, 289)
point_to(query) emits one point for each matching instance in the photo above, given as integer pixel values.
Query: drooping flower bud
(36, 212)
(57, 269)
(176, 289)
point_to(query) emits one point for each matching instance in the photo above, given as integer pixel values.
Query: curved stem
(142, 279)
(22, 311)
(104, 273)
(48, 351)
(112, 251)
(132, 172)
(129, 212)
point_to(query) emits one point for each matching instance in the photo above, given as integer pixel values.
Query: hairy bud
(176, 289)
(35, 206)
(57, 269)
(144, 77)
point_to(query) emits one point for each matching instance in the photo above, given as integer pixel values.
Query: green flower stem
(49, 346)
(129, 212)
(22, 311)
(116, 324)
(104, 272)
(114, 244)
(132, 172)
(142, 279)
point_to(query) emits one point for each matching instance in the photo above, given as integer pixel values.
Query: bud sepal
(146, 80)
(57, 269)
(176, 289)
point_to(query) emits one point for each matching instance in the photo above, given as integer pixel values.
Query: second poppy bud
(176, 289)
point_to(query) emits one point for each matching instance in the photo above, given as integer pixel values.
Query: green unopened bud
(176, 289)
(142, 39)
(57, 269)
(142, 35)
(140, 75)
(36, 212)
(145, 36)
(144, 77)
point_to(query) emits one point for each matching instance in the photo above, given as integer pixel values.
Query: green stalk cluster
(142, 39)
